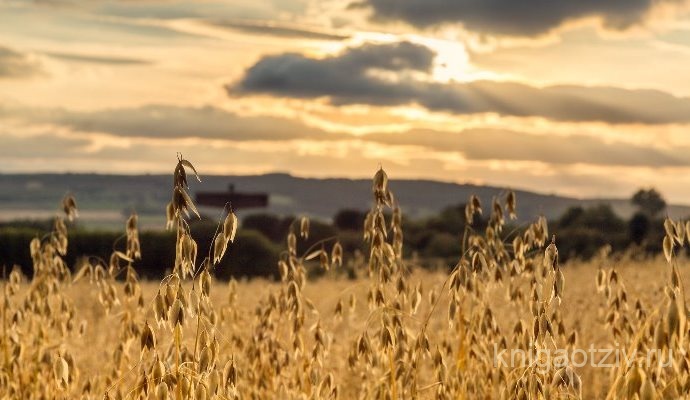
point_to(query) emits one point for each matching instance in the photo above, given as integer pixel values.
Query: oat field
(507, 321)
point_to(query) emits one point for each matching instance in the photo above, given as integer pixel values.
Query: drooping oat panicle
(601, 280)
(219, 247)
(230, 227)
(148, 339)
(69, 206)
(61, 372)
(304, 228)
(476, 204)
(668, 248)
(511, 205)
(551, 254)
(380, 187)
(132, 233)
(169, 215)
(669, 227)
(292, 243)
(230, 373)
(337, 254)
(181, 202)
(558, 285)
(679, 232)
(176, 315)
(380, 183)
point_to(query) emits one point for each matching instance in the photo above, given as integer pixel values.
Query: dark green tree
(271, 226)
(638, 227)
(571, 217)
(349, 220)
(649, 201)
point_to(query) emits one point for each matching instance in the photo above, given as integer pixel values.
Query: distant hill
(105, 199)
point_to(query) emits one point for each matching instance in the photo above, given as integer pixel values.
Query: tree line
(261, 239)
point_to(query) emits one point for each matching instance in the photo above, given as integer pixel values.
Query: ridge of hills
(105, 199)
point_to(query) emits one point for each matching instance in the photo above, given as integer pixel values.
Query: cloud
(44, 145)
(350, 78)
(257, 28)
(162, 121)
(355, 161)
(91, 59)
(14, 64)
(511, 17)
(207, 9)
(345, 77)
(69, 25)
(209, 123)
(496, 144)
(69, 154)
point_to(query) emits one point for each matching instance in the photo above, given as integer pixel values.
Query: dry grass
(396, 332)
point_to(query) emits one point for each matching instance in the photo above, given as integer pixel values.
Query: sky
(584, 98)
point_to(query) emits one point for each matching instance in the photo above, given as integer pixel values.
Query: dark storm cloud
(14, 64)
(496, 144)
(276, 30)
(511, 17)
(347, 78)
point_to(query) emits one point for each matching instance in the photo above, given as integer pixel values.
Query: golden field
(394, 332)
(582, 308)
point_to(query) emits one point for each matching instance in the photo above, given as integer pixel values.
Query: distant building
(236, 199)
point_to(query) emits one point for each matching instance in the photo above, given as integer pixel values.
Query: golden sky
(587, 98)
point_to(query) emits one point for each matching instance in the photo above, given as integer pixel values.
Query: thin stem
(177, 361)
(117, 239)
(196, 339)
(5, 336)
(394, 388)
(215, 234)
(320, 242)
